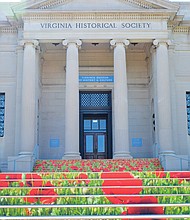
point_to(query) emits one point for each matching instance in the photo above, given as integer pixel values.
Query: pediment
(96, 5)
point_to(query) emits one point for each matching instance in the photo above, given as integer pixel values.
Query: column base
(169, 161)
(25, 153)
(24, 162)
(167, 152)
(122, 155)
(71, 156)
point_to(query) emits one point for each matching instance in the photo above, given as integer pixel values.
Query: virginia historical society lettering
(96, 25)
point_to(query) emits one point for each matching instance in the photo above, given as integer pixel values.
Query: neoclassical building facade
(94, 79)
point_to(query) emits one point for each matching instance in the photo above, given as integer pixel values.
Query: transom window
(95, 100)
(97, 125)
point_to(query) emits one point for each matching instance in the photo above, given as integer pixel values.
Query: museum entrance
(95, 137)
(95, 125)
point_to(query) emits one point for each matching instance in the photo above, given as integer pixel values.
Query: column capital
(66, 42)
(115, 42)
(157, 42)
(34, 43)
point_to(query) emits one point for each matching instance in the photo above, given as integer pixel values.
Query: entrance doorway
(95, 137)
(95, 125)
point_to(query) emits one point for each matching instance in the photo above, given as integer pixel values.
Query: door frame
(95, 143)
(96, 114)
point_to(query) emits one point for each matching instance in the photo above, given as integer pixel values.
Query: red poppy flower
(7, 178)
(160, 174)
(95, 169)
(32, 180)
(182, 175)
(122, 168)
(74, 167)
(36, 193)
(112, 179)
(144, 210)
(116, 175)
(82, 177)
(4, 184)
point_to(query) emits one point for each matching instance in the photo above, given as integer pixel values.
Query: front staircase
(95, 195)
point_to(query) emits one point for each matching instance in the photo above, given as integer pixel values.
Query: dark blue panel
(2, 113)
(137, 142)
(54, 143)
(188, 111)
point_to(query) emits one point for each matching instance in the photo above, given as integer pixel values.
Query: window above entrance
(95, 100)
(94, 125)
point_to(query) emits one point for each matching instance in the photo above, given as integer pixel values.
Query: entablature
(29, 16)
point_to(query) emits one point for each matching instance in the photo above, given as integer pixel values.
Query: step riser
(95, 195)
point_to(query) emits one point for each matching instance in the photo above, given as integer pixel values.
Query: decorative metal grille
(2, 113)
(89, 99)
(188, 110)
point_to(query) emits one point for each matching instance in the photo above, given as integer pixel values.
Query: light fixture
(134, 44)
(55, 44)
(95, 44)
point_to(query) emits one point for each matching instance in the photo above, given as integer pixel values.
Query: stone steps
(102, 217)
(99, 195)
(97, 165)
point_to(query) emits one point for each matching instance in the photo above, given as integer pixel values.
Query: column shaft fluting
(18, 113)
(28, 109)
(164, 99)
(121, 136)
(72, 101)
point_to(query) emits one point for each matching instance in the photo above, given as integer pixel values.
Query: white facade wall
(180, 81)
(52, 105)
(139, 104)
(8, 77)
(95, 60)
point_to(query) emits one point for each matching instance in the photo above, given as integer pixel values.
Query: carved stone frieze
(8, 30)
(94, 16)
(181, 29)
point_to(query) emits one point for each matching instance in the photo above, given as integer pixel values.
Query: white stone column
(163, 98)
(121, 130)
(28, 107)
(18, 94)
(72, 100)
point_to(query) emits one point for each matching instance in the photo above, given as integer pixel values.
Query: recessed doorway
(95, 125)
(95, 137)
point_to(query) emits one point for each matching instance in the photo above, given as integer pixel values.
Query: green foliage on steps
(101, 188)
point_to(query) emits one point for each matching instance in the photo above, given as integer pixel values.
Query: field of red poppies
(91, 193)
(152, 164)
